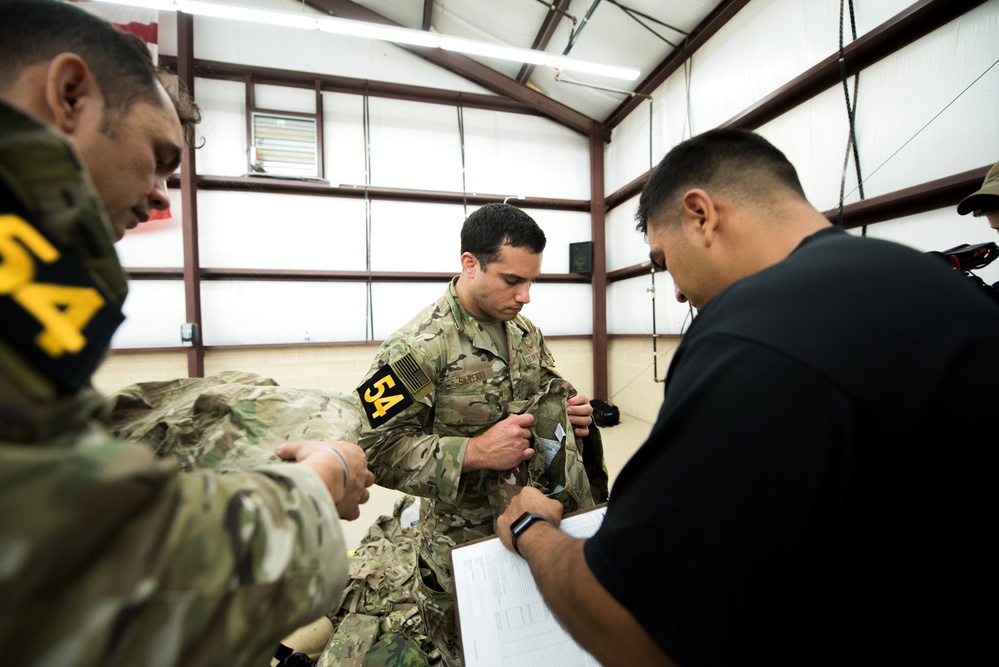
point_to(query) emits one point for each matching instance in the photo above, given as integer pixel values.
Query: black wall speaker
(581, 257)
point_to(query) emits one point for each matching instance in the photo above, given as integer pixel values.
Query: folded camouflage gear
(230, 421)
(377, 622)
(557, 468)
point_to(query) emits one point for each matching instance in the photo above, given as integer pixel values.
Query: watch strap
(523, 522)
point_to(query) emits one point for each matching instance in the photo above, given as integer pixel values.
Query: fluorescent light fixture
(288, 20)
(492, 50)
(384, 33)
(162, 5)
(573, 65)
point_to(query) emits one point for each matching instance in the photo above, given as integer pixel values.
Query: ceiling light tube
(162, 5)
(385, 33)
(492, 50)
(574, 65)
(303, 21)
(395, 34)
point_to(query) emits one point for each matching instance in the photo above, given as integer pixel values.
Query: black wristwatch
(522, 523)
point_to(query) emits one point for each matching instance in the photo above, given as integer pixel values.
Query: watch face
(522, 522)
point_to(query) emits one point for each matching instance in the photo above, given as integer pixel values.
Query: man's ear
(71, 93)
(469, 263)
(700, 214)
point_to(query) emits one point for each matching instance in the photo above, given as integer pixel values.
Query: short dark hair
(737, 162)
(496, 225)
(188, 112)
(34, 31)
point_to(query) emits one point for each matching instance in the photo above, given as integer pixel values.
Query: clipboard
(502, 619)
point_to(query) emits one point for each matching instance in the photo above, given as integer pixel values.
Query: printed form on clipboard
(502, 618)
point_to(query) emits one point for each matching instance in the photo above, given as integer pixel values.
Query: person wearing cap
(109, 555)
(818, 486)
(984, 202)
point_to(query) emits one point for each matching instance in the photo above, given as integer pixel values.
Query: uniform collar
(43, 171)
(469, 326)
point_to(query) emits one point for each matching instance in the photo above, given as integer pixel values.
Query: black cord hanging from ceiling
(851, 111)
(634, 14)
(575, 33)
(369, 324)
(461, 138)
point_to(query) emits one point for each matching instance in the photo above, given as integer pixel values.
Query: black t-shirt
(814, 490)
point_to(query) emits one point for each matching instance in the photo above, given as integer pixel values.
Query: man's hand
(579, 410)
(528, 500)
(316, 455)
(504, 446)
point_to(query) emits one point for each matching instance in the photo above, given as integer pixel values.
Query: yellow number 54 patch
(52, 312)
(62, 310)
(383, 396)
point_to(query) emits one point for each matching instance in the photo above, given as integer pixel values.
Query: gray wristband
(346, 471)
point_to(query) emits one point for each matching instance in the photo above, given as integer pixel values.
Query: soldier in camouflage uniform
(109, 556)
(463, 406)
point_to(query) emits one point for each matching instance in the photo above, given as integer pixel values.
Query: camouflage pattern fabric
(378, 622)
(395, 650)
(108, 555)
(231, 421)
(415, 434)
(557, 465)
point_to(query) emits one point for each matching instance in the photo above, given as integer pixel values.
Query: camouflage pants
(439, 617)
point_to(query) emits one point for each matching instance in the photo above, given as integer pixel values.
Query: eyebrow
(661, 265)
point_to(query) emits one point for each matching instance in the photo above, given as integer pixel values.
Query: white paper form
(504, 621)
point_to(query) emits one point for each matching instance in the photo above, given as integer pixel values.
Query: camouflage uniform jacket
(436, 383)
(109, 556)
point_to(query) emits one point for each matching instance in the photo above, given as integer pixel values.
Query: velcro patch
(412, 376)
(53, 313)
(384, 395)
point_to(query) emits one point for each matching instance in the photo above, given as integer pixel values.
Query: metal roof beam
(545, 34)
(906, 27)
(211, 69)
(428, 12)
(472, 70)
(704, 31)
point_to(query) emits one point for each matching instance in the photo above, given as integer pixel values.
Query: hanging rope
(851, 110)
(634, 14)
(461, 137)
(369, 324)
(575, 33)
(652, 271)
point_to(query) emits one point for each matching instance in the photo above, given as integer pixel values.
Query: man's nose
(524, 293)
(158, 197)
(680, 296)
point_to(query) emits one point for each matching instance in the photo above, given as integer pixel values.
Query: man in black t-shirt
(817, 486)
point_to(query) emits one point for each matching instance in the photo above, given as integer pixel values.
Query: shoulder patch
(54, 315)
(412, 376)
(384, 396)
